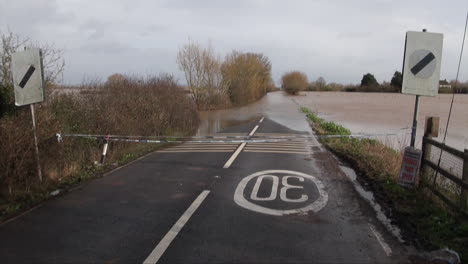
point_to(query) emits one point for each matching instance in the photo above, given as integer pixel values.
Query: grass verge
(424, 224)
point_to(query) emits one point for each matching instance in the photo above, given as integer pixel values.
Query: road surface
(280, 202)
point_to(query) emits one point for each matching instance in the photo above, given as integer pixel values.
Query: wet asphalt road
(182, 207)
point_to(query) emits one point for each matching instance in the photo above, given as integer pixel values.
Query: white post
(39, 171)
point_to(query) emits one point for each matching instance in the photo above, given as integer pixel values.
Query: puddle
(369, 196)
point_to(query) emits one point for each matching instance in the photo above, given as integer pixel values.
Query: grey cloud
(337, 39)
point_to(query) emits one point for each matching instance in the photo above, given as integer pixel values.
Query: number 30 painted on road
(274, 189)
(315, 206)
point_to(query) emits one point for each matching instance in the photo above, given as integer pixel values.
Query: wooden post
(464, 192)
(431, 129)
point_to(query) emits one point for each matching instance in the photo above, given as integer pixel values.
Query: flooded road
(366, 113)
(276, 106)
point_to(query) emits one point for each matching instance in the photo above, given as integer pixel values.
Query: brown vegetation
(202, 69)
(247, 76)
(128, 106)
(294, 82)
(242, 77)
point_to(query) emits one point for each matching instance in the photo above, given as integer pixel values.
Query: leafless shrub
(202, 69)
(152, 106)
(294, 82)
(247, 76)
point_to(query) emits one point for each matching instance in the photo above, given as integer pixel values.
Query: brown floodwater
(362, 113)
(391, 113)
(275, 106)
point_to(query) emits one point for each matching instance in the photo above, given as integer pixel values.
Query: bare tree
(202, 70)
(320, 83)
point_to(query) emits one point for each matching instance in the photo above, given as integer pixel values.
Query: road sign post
(36, 147)
(28, 82)
(421, 69)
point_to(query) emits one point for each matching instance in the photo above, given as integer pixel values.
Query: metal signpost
(28, 82)
(421, 74)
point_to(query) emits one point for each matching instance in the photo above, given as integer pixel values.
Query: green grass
(327, 128)
(433, 226)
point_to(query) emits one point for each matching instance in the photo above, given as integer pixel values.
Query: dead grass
(371, 156)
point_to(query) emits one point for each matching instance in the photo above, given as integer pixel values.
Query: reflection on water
(210, 124)
(361, 113)
(275, 106)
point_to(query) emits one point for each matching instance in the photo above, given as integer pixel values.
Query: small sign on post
(26, 68)
(28, 82)
(410, 167)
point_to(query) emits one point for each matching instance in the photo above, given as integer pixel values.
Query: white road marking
(291, 143)
(261, 120)
(274, 189)
(169, 237)
(277, 147)
(234, 156)
(196, 151)
(380, 239)
(213, 147)
(209, 145)
(238, 150)
(253, 131)
(276, 151)
(287, 186)
(315, 206)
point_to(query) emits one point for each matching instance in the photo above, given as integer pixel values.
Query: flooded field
(391, 113)
(366, 113)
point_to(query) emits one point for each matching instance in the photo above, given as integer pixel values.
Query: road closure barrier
(216, 138)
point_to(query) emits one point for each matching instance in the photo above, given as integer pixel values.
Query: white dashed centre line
(240, 148)
(169, 237)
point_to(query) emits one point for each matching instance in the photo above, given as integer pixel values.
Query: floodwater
(362, 113)
(382, 113)
(275, 106)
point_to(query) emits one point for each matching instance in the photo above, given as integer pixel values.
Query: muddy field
(390, 113)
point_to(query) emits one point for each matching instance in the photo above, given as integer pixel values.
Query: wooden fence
(435, 157)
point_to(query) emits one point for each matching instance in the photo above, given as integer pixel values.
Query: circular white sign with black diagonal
(281, 192)
(422, 63)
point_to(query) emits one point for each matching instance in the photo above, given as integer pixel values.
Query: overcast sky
(337, 39)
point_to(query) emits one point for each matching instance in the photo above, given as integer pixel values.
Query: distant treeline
(370, 85)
